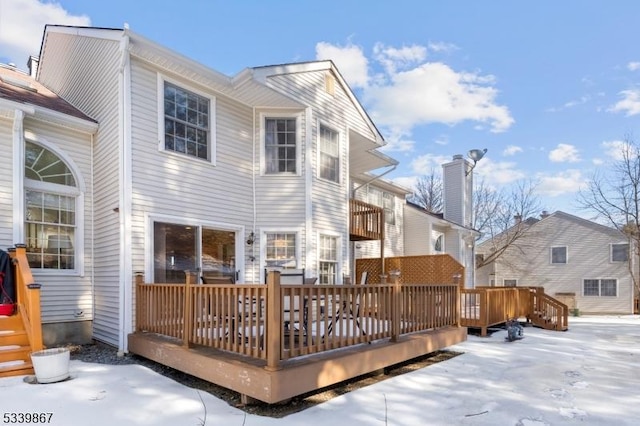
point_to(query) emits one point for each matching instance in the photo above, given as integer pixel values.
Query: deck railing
(28, 296)
(366, 221)
(483, 307)
(279, 322)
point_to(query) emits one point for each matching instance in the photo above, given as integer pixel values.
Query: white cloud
(630, 103)
(423, 164)
(350, 60)
(566, 182)
(597, 161)
(439, 46)
(633, 66)
(408, 182)
(498, 174)
(407, 91)
(564, 153)
(511, 150)
(615, 149)
(22, 25)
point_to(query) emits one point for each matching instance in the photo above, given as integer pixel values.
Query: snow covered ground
(589, 375)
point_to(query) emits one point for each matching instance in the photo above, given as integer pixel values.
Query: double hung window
(328, 262)
(280, 145)
(329, 154)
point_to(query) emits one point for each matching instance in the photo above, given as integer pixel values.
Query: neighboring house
(47, 199)
(412, 231)
(189, 169)
(576, 260)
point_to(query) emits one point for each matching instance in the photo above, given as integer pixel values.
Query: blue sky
(550, 88)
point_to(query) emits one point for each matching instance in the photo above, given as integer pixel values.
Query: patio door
(178, 248)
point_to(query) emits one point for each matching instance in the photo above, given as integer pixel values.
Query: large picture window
(329, 154)
(280, 145)
(186, 122)
(50, 210)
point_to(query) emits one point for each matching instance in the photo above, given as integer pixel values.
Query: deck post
(396, 314)
(187, 311)
(139, 280)
(274, 321)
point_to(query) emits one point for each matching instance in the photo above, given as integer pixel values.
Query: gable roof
(19, 87)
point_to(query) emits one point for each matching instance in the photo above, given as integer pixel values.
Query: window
(386, 200)
(620, 252)
(510, 282)
(280, 145)
(328, 262)
(281, 250)
(50, 210)
(559, 255)
(437, 239)
(186, 122)
(600, 287)
(329, 155)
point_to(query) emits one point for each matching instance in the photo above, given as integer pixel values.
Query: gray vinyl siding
(6, 184)
(588, 258)
(173, 185)
(85, 73)
(63, 295)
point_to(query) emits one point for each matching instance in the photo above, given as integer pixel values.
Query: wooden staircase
(21, 333)
(14, 347)
(547, 312)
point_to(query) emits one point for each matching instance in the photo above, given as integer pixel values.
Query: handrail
(365, 221)
(28, 296)
(277, 322)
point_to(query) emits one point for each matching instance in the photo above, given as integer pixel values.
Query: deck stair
(547, 312)
(14, 347)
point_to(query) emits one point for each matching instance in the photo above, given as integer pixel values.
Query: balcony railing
(366, 221)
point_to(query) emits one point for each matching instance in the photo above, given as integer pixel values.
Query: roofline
(436, 216)
(41, 113)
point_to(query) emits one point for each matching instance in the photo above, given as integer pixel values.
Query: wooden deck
(277, 341)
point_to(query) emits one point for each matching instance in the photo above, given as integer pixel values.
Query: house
(412, 231)
(46, 197)
(580, 262)
(175, 168)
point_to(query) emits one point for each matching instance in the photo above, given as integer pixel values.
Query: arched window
(50, 209)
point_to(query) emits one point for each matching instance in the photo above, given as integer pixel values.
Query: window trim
(599, 280)
(263, 116)
(263, 246)
(566, 255)
(504, 280)
(320, 152)
(78, 192)
(339, 255)
(162, 79)
(611, 259)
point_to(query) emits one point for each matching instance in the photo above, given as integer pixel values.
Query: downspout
(126, 275)
(252, 257)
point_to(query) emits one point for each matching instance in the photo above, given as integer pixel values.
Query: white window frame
(599, 280)
(611, 259)
(263, 246)
(435, 235)
(299, 143)
(321, 152)
(504, 282)
(376, 196)
(338, 260)
(161, 116)
(78, 192)
(566, 255)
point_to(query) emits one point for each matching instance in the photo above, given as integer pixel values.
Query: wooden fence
(279, 322)
(428, 269)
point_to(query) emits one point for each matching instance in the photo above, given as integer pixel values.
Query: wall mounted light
(475, 155)
(251, 239)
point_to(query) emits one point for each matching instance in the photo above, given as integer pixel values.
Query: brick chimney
(457, 183)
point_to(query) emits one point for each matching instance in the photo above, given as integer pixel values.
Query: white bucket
(51, 365)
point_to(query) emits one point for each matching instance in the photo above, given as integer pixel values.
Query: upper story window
(329, 154)
(50, 210)
(280, 145)
(620, 252)
(187, 122)
(386, 200)
(559, 255)
(438, 241)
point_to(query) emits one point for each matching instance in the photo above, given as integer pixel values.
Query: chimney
(544, 214)
(517, 219)
(457, 187)
(32, 64)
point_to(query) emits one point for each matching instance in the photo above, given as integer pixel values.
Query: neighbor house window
(186, 122)
(50, 210)
(620, 252)
(510, 282)
(329, 154)
(600, 287)
(281, 250)
(559, 255)
(328, 262)
(280, 145)
(437, 239)
(386, 200)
